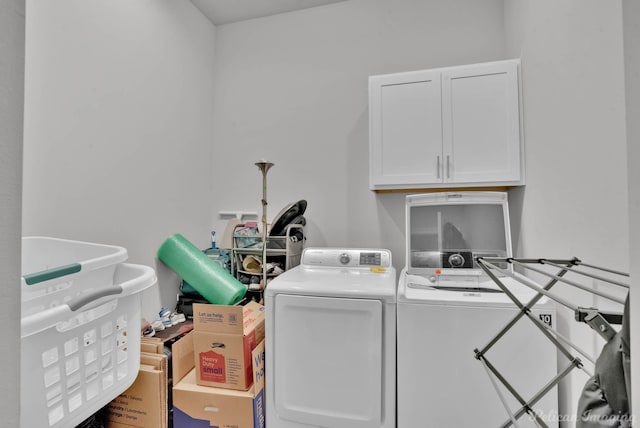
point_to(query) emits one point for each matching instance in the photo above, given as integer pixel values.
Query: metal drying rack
(599, 321)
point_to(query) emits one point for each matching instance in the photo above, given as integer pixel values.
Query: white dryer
(331, 341)
(448, 307)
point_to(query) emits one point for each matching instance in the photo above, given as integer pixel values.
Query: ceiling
(227, 11)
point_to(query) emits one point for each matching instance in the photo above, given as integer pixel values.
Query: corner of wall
(12, 37)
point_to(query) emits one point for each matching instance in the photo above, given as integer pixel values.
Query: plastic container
(79, 355)
(58, 270)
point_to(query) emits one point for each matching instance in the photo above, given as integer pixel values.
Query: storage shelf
(280, 249)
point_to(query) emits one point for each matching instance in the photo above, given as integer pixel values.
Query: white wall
(12, 24)
(118, 133)
(120, 122)
(575, 200)
(292, 88)
(631, 18)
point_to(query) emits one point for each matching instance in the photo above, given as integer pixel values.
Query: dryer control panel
(346, 257)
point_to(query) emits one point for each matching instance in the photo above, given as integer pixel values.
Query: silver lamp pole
(264, 167)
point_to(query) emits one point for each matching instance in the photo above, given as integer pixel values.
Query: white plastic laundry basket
(56, 270)
(80, 354)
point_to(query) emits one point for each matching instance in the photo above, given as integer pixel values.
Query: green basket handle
(49, 274)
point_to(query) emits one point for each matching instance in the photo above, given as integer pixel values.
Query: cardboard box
(224, 337)
(143, 404)
(197, 406)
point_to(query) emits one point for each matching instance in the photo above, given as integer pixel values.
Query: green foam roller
(205, 275)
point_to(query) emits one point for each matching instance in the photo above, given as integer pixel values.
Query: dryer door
(328, 361)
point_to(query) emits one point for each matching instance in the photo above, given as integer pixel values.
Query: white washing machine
(331, 341)
(448, 307)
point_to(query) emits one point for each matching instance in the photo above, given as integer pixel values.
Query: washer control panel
(346, 257)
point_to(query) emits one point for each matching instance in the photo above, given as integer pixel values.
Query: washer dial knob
(345, 258)
(456, 260)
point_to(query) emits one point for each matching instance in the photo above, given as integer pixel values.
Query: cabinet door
(406, 129)
(481, 123)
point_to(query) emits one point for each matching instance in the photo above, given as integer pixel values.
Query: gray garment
(605, 399)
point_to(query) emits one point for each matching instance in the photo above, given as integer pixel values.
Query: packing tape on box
(205, 275)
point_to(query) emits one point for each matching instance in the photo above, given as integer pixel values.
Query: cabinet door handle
(448, 167)
(438, 166)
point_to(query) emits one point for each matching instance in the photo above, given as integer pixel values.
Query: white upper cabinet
(406, 128)
(446, 127)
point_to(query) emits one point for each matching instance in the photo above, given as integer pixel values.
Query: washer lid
(446, 232)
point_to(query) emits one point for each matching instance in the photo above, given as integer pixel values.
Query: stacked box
(144, 404)
(224, 338)
(197, 406)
